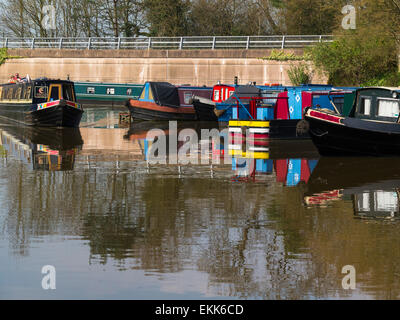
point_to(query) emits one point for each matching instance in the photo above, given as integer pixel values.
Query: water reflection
(289, 162)
(100, 117)
(41, 148)
(371, 184)
(117, 226)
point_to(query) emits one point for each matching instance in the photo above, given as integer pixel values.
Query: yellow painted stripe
(249, 154)
(15, 101)
(254, 124)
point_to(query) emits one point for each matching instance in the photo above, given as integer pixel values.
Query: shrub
(356, 59)
(299, 74)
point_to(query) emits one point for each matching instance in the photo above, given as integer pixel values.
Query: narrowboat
(281, 106)
(164, 101)
(49, 149)
(279, 113)
(106, 94)
(371, 127)
(41, 102)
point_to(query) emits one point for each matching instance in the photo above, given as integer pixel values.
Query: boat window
(386, 201)
(91, 90)
(339, 103)
(388, 108)
(10, 93)
(365, 107)
(187, 97)
(54, 93)
(18, 93)
(68, 92)
(41, 92)
(28, 93)
(216, 95)
(110, 91)
(364, 202)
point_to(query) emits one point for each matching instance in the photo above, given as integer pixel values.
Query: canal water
(118, 219)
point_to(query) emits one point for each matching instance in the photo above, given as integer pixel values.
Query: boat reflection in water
(290, 162)
(372, 184)
(52, 149)
(286, 162)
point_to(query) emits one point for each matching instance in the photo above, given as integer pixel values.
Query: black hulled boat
(41, 102)
(372, 127)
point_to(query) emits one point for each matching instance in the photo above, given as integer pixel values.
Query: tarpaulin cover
(165, 94)
(244, 91)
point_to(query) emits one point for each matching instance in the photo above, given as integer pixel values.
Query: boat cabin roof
(377, 103)
(39, 82)
(161, 93)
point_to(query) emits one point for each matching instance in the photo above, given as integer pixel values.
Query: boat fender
(128, 102)
(219, 113)
(302, 127)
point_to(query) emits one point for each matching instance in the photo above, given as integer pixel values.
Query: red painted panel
(307, 100)
(325, 116)
(305, 171)
(282, 107)
(281, 169)
(223, 91)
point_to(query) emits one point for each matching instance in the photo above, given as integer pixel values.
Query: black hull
(60, 116)
(147, 115)
(15, 112)
(204, 111)
(286, 129)
(355, 138)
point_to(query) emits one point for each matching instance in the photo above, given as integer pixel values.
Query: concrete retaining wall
(195, 67)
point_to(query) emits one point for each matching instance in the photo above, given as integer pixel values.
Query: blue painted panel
(312, 164)
(294, 172)
(264, 166)
(146, 149)
(265, 114)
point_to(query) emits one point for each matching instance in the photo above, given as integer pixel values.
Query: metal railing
(177, 43)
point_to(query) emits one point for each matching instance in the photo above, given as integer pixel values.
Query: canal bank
(194, 67)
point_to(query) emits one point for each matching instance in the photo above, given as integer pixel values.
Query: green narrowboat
(106, 94)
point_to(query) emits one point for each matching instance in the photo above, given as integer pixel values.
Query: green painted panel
(348, 103)
(107, 91)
